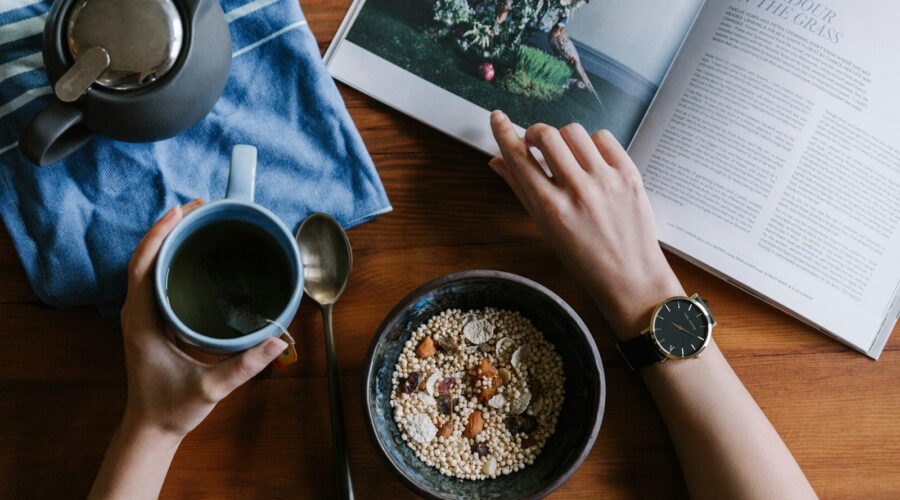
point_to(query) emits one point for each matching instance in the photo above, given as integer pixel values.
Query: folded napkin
(75, 223)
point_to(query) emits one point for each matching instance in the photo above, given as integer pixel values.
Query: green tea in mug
(229, 279)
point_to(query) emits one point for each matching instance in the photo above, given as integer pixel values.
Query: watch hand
(682, 330)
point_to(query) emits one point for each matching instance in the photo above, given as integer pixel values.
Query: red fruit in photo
(486, 70)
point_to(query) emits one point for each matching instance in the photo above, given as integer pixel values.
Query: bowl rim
(432, 285)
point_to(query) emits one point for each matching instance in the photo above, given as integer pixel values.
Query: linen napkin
(75, 223)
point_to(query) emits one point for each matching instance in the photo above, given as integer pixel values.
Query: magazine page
(771, 155)
(450, 62)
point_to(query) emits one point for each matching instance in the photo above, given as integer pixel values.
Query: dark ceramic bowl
(585, 387)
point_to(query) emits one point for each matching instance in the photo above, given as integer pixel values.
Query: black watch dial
(681, 328)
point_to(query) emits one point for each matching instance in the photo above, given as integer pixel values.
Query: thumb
(230, 374)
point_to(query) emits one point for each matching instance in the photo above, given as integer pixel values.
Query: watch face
(681, 328)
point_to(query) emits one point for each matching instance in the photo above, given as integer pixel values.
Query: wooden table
(62, 385)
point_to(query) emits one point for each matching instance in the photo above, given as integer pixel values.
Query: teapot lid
(143, 38)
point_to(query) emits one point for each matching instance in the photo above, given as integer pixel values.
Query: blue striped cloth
(74, 224)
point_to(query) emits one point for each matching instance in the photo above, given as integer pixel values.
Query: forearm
(726, 445)
(599, 220)
(136, 463)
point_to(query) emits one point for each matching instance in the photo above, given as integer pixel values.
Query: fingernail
(494, 162)
(274, 347)
(193, 203)
(497, 116)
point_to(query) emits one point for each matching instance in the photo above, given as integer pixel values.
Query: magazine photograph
(551, 61)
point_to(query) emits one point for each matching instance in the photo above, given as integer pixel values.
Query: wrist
(630, 306)
(144, 429)
(137, 460)
(665, 374)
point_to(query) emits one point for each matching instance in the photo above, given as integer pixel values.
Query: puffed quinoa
(490, 361)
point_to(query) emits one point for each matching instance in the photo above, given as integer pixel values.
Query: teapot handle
(54, 134)
(242, 177)
(192, 7)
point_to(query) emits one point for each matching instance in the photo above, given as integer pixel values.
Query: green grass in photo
(538, 75)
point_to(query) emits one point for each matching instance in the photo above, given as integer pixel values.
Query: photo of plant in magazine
(553, 61)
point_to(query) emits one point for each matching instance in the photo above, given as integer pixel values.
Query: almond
(426, 348)
(446, 430)
(475, 425)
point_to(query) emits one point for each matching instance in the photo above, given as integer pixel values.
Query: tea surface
(227, 279)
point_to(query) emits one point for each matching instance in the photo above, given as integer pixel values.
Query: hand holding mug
(168, 390)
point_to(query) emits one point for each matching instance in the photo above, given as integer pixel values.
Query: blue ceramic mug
(237, 206)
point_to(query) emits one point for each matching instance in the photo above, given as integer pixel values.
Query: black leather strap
(706, 305)
(640, 352)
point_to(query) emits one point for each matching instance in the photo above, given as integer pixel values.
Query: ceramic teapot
(132, 70)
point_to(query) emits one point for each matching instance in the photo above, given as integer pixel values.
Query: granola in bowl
(476, 394)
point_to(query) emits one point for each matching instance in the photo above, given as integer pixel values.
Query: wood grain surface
(62, 385)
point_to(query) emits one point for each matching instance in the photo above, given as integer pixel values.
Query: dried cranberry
(480, 449)
(445, 385)
(412, 382)
(445, 406)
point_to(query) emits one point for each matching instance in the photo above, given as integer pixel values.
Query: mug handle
(54, 134)
(242, 176)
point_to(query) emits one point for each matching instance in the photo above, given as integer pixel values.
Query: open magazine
(765, 131)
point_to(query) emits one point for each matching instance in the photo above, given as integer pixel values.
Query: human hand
(594, 212)
(169, 391)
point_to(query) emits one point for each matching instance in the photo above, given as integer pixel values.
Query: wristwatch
(680, 328)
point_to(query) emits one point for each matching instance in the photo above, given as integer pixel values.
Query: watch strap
(640, 352)
(708, 312)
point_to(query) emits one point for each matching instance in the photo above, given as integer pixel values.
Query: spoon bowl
(327, 258)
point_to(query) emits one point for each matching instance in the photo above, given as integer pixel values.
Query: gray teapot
(132, 70)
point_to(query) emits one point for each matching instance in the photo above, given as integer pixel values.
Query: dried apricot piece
(487, 369)
(426, 348)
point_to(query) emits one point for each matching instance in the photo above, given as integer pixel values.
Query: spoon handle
(338, 436)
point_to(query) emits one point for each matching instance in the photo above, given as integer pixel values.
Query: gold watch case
(697, 301)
